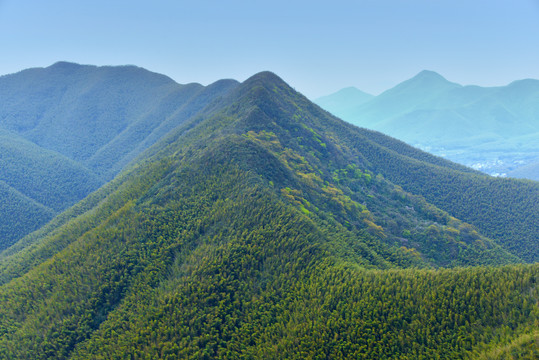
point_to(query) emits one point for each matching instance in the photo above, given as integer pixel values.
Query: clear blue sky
(316, 46)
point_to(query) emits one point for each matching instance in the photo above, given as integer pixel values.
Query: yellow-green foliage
(295, 198)
(195, 255)
(524, 347)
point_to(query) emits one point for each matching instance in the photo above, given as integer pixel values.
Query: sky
(318, 47)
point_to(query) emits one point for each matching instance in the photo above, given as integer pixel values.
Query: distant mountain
(409, 95)
(343, 101)
(530, 171)
(482, 127)
(263, 227)
(68, 128)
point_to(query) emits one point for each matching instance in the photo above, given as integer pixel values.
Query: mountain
(36, 184)
(409, 95)
(98, 116)
(67, 129)
(343, 101)
(530, 171)
(491, 129)
(264, 227)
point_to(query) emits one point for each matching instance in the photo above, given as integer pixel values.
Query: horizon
(317, 48)
(284, 79)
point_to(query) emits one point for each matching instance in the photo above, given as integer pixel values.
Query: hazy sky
(316, 46)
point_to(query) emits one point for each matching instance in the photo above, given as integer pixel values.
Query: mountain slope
(68, 128)
(36, 184)
(530, 171)
(260, 229)
(406, 96)
(91, 114)
(45, 176)
(20, 214)
(491, 129)
(493, 205)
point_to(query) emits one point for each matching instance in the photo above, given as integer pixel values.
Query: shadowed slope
(68, 128)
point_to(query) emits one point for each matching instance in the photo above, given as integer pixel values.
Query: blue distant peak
(527, 84)
(429, 75)
(64, 65)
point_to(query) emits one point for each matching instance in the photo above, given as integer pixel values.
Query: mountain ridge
(263, 93)
(93, 121)
(264, 227)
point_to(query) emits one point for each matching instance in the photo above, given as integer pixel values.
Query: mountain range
(495, 130)
(67, 129)
(261, 226)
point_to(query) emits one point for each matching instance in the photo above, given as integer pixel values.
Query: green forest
(67, 129)
(265, 228)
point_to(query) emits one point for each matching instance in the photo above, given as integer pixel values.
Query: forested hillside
(263, 227)
(67, 129)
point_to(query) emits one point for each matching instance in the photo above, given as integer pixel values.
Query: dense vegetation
(67, 128)
(20, 215)
(36, 184)
(265, 228)
(210, 263)
(504, 209)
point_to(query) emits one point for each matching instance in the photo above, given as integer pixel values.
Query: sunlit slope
(265, 228)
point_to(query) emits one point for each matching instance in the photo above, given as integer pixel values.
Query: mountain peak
(349, 93)
(430, 76)
(263, 86)
(525, 84)
(352, 91)
(62, 63)
(425, 83)
(66, 65)
(266, 77)
(344, 101)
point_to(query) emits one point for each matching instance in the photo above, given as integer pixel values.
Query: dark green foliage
(98, 115)
(36, 184)
(44, 176)
(264, 228)
(209, 263)
(320, 313)
(19, 214)
(66, 129)
(504, 209)
(75, 222)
